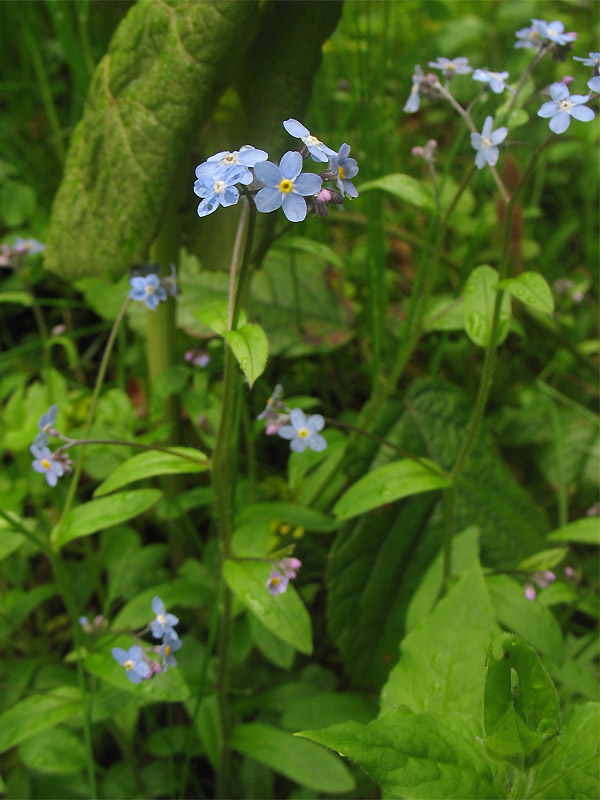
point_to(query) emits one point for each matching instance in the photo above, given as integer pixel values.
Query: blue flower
(45, 426)
(171, 644)
(414, 98)
(554, 32)
(133, 661)
(318, 150)
(272, 403)
(594, 83)
(29, 246)
(495, 80)
(285, 187)
(219, 189)
(562, 107)
(277, 583)
(452, 66)
(303, 432)
(592, 61)
(485, 143)
(46, 464)
(163, 624)
(217, 166)
(147, 289)
(344, 168)
(533, 36)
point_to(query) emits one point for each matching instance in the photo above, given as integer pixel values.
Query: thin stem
(244, 280)
(534, 61)
(95, 395)
(124, 443)
(17, 525)
(234, 261)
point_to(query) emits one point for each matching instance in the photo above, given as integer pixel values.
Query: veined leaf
(54, 752)
(38, 713)
(479, 297)
(214, 316)
(582, 531)
(251, 348)
(153, 462)
(532, 289)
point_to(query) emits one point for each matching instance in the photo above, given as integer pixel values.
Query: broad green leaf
(529, 618)
(479, 297)
(544, 560)
(532, 289)
(54, 752)
(38, 713)
(520, 709)
(442, 661)
(389, 483)
(214, 316)
(573, 769)
(445, 313)
(154, 462)
(417, 756)
(251, 348)
(465, 551)
(164, 71)
(300, 761)
(292, 513)
(582, 531)
(17, 203)
(100, 514)
(20, 298)
(328, 708)
(10, 541)
(313, 248)
(285, 614)
(405, 187)
(272, 647)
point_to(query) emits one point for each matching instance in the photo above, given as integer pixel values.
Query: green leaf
(20, 298)
(444, 313)
(313, 248)
(424, 756)
(215, 316)
(38, 713)
(251, 348)
(99, 514)
(389, 483)
(582, 531)
(520, 708)
(54, 752)
(285, 614)
(154, 462)
(573, 769)
(177, 592)
(479, 296)
(272, 647)
(441, 666)
(300, 761)
(405, 187)
(532, 289)
(147, 98)
(17, 203)
(328, 708)
(529, 618)
(292, 513)
(543, 561)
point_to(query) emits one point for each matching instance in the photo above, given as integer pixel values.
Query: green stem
(95, 395)
(538, 57)
(17, 525)
(126, 443)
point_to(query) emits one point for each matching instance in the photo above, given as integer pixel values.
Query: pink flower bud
(530, 592)
(567, 80)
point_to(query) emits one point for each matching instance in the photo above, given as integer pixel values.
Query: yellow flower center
(149, 289)
(487, 142)
(167, 649)
(341, 173)
(312, 140)
(286, 186)
(219, 187)
(231, 158)
(450, 67)
(302, 433)
(162, 619)
(47, 427)
(45, 463)
(565, 105)
(129, 664)
(275, 581)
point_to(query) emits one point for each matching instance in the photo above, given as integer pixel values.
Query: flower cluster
(282, 185)
(541, 579)
(151, 289)
(13, 255)
(281, 573)
(52, 465)
(139, 665)
(541, 32)
(294, 425)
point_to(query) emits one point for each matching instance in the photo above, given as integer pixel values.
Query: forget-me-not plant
(303, 432)
(164, 623)
(593, 60)
(148, 289)
(46, 464)
(316, 148)
(46, 426)
(495, 80)
(344, 168)
(218, 165)
(486, 143)
(532, 36)
(285, 187)
(452, 66)
(564, 106)
(594, 84)
(414, 98)
(171, 643)
(133, 660)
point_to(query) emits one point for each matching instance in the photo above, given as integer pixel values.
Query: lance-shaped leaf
(251, 348)
(479, 297)
(153, 462)
(164, 71)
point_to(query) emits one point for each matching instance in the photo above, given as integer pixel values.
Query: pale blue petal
(138, 283)
(137, 294)
(315, 423)
(268, 173)
(119, 654)
(37, 466)
(291, 165)
(294, 207)
(476, 140)
(230, 196)
(298, 445)
(349, 188)
(549, 109)
(286, 432)
(499, 135)
(308, 184)
(133, 676)
(152, 280)
(142, 669)
(295, 128)
(480, 160)
(58, 468)
(51, 478)
(298, 418)
(350, 168)
(249, 156)
(413, 103)
(492, 156)
(158, 605)
(317, 152)
(208, 205)
(560, 122)
(559, 91)
(268, 199)
(317, 443)
(152, 301)
(582, 113)
(487, 126)
(594, 84)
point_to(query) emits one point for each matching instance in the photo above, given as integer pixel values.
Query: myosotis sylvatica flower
(218, 165)
(344, 168)
(414, 98)
(318, 151)
(46, 464)
(564, 106)
(486, 144)
(495, 80)
(285, 187)
(136, 668)
(303, 432)
(452, 66)
(148, 289)
(164, 623)
(46, 427)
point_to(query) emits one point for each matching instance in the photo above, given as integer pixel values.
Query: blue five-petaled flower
(414, 98)
(219, 164)
(316, 148)
(46, 464)
(344, 168)
(564, 106)
(163, 624)
(486, 143)
(304, 432)
(285, 187)
(133, 660)
(45, 425)
(495, 80)
(147, 289)
(171, 643)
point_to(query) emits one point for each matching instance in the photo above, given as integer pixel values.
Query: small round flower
(533, 36)
(529, 591)
(28, 246)
(486, 144)
(133, 661)
(219, 188)
(303, 432)
(218, 165)
(452, 66)
(555, 33)
(147, 289)
(316, 148)
(495, 80)
(170, 645)
(344, 168)
(592, 61)
(46, 464)
(46, 427)
(163, 624)
(289, 566)
(285, 187)
(414, 98)
(594, 83)
(198, 357)
(562, 107)
(277, 583)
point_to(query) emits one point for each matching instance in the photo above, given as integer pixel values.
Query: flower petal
(295, 128)
(560, 122)
(268, 173)
(317, 443)
(268, 199)
(559, 91)
(499, 135)
(294, 207)
(286, 432)
(549, 109)
(290, 165)
(298, 445)
(308, 183)
(582, 113)
(487, 126)
(315, 423)
(119, 654)
(298, 418)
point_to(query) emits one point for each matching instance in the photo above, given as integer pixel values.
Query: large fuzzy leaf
(377, 563)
